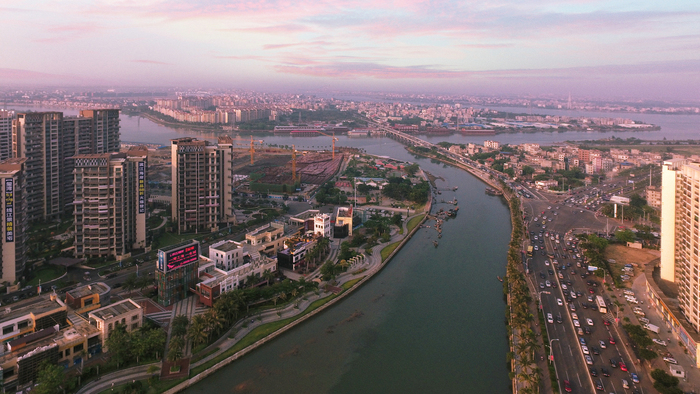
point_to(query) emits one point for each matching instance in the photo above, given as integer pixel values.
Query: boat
(493, 192)
(499, 278)
(456, 208)
(455, 188)
(435, 243)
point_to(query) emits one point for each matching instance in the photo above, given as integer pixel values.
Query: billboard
(9, 210)
(176, 258)
(142, 187)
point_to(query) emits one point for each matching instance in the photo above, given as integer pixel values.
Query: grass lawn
(414, 222)
(388, 249)
(45, 274)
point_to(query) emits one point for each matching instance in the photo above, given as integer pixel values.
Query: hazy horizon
(602, 49)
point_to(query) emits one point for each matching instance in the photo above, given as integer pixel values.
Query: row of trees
(401, 189)
(145, 343)
(520, 317)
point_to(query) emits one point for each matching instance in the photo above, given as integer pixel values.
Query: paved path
(371, 264)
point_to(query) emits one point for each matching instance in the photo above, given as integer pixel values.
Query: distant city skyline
(643, 49)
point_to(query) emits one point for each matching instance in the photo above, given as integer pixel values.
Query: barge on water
(493, 192)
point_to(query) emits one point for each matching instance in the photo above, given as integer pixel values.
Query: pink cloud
(151, 62)
(273, 29)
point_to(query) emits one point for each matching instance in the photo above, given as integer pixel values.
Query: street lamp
(551, 352)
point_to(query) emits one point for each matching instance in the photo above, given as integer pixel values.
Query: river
(432, 320)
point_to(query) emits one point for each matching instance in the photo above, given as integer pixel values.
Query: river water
(433, 319)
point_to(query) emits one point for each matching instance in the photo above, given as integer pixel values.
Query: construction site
(282, 170)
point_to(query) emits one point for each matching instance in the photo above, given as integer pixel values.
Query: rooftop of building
(116, 309)
(226, 246)
(344, 212)
(87, 290)
(12, 165)
(264, 229)
(43, 304)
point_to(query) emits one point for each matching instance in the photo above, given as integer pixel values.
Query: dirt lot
(624, 255)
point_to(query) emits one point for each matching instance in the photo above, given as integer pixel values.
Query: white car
(602, 344)
(550, 319)
(659, 342)
(573, 294)
(670, 360)
(589, 321)
(559, 302)
(546, 262)
(548, 283)
(563, 286)
(576, 323)
(589, 360)
(585, 350)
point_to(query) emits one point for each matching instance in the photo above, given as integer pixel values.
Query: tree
(119, 345)
(50, 379)
(665, 383)
(197, 330)
(527, 170)
(412, 169)
(327, 271)
(176, 345)
(130, 282)
(624, 236)
(180, 323)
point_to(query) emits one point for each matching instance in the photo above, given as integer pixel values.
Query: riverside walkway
(363, 270)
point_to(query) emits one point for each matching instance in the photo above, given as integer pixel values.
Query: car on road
(613, 363)
(585, 350)
(606, 322)
(599, 386)
(582, 341)
(559, 302)
(623, 366)
(634, 377)
(550, 319)
(576, 323)
(611, 340)
(563, 286)
(589, 360)
(659, 342)
(602, 344)
(574, 316)
(548, 283)
(559, 319)
(589, 321)
(567, 386)
(605, 372)
(541, 285)
(670, 360)
(593, 371)
(572, 307)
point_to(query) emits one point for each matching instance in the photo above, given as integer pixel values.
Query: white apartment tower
(109, 208)
(201, 184)
(49, 141)
(14, 219)
(680, 233)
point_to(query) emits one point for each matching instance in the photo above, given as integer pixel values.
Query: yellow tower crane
(252, 149)
(294, 164)
(334, 140)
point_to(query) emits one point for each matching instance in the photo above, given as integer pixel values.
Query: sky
(644, 49)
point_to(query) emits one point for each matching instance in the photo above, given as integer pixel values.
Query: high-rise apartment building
(680, 234)
(6, 133)
(110, 203)
(14, 219)
(201, 184)
(49, 141)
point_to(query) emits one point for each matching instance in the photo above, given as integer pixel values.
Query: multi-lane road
(554, 283)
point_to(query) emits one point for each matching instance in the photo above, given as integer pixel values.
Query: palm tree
(175, 351)
(213, 322)
(275, 298)
(197, 330)
(343, 264)
(269, 276)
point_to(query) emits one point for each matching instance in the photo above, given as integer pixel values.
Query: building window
(8, 329)
(135, 317)
(134, 326)
(77, 348)
(67, 352)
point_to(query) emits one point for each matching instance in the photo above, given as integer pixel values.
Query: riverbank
(525, 371)
(243, 337)
(221, 358)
